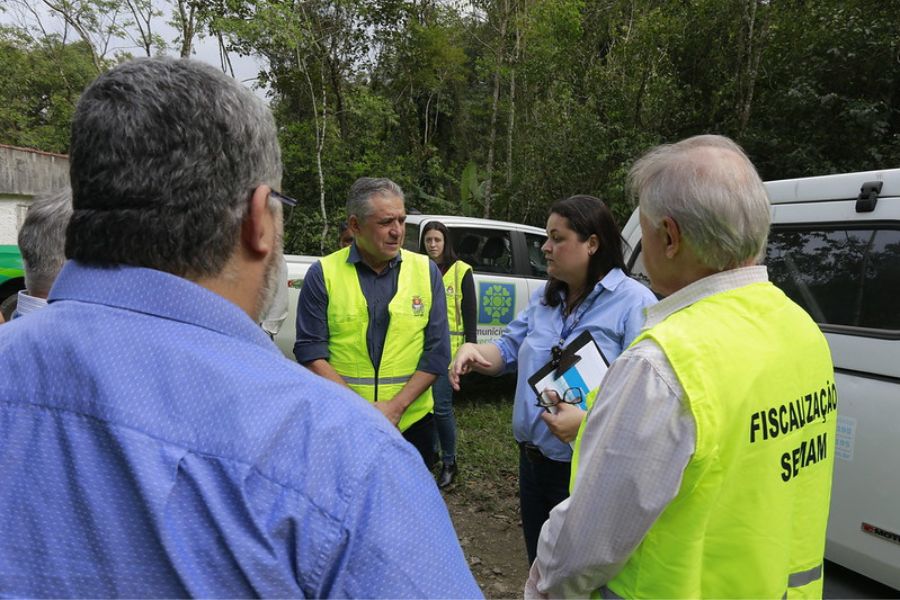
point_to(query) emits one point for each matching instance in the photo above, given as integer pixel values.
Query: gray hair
(164, 156)
(711, 189)
(42, 239)
(362, 190)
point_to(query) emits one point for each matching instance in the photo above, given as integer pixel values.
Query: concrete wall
(25, 173)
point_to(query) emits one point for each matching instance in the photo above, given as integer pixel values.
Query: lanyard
(575, 317)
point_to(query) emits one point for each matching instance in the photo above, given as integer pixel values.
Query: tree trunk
(143, 22)
(754, 30)
(320, 123)
(187, 17)
(492, 139)
(337, 87)
(319, 147)
(511, 121)
(65, 11)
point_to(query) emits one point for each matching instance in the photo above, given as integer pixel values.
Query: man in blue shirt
(155, 443)
(376, 219)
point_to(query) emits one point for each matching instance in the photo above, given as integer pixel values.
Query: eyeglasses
(286, 200)
(573, 395)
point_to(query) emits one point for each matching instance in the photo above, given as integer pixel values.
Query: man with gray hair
(705, 460)
(373, 317)
(42, 241)
(155, 441)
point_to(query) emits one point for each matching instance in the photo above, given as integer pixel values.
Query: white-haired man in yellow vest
(373, 316)
(705, 461)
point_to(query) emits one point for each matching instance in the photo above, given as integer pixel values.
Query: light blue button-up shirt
(155, 443)
(613, 312)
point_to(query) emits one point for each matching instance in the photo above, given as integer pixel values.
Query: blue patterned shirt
(155, 443)
(613, 312)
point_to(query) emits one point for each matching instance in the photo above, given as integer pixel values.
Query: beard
(273, 281)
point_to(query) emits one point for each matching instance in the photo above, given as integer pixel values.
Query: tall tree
(42, 82)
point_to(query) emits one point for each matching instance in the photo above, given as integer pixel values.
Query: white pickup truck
(506, 259)
(834, 249)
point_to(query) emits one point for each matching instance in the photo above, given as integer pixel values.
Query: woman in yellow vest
(461, 317)
(588, 290)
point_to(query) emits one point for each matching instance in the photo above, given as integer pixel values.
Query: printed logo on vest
(418, 307)
(451, 291)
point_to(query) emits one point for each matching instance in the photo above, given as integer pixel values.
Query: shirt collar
(703, 288)
(156, 293)
(354, 257)
(612, 279)
(26, 303)
(609, 282)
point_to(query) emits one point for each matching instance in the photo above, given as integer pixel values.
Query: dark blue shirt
(155, 443)
(379, 290)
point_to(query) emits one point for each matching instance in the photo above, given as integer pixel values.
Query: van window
(840, 275)
(487, 250)
(537, 262)
(411, 239)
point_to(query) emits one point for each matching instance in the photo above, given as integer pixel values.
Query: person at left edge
(373, 317)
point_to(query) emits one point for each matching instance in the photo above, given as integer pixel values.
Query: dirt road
(489, 529)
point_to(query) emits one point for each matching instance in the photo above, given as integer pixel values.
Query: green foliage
(471, 191)
(42, 82)
(405, 90)
(834, 100)
(486, 446)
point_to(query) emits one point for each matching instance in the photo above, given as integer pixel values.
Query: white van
(834, 249)
(506, 259)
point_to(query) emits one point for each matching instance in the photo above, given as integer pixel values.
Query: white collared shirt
(637, 441)
(26, 303)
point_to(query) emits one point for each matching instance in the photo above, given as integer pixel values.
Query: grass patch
(485, 444)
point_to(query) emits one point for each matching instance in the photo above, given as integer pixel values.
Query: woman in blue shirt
(588, 290)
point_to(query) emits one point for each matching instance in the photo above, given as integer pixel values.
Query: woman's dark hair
(588, 216)
(448, 257)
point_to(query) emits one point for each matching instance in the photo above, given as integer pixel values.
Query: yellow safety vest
(348, 321)
(749, 518)
(453, 287)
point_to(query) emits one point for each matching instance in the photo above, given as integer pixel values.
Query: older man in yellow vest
(706, 458)
(373, 317)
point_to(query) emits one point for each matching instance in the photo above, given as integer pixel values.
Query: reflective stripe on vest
(804, 577)
(348, 321)
(751, 511)
(381, 380)
(453, 288)
(794, 580)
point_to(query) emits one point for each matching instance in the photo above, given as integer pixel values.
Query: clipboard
(581, 365)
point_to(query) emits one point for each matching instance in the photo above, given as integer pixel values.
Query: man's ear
(353, 224)
(258, 228)
(673, 236)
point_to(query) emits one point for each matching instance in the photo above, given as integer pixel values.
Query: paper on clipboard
(585, 374)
